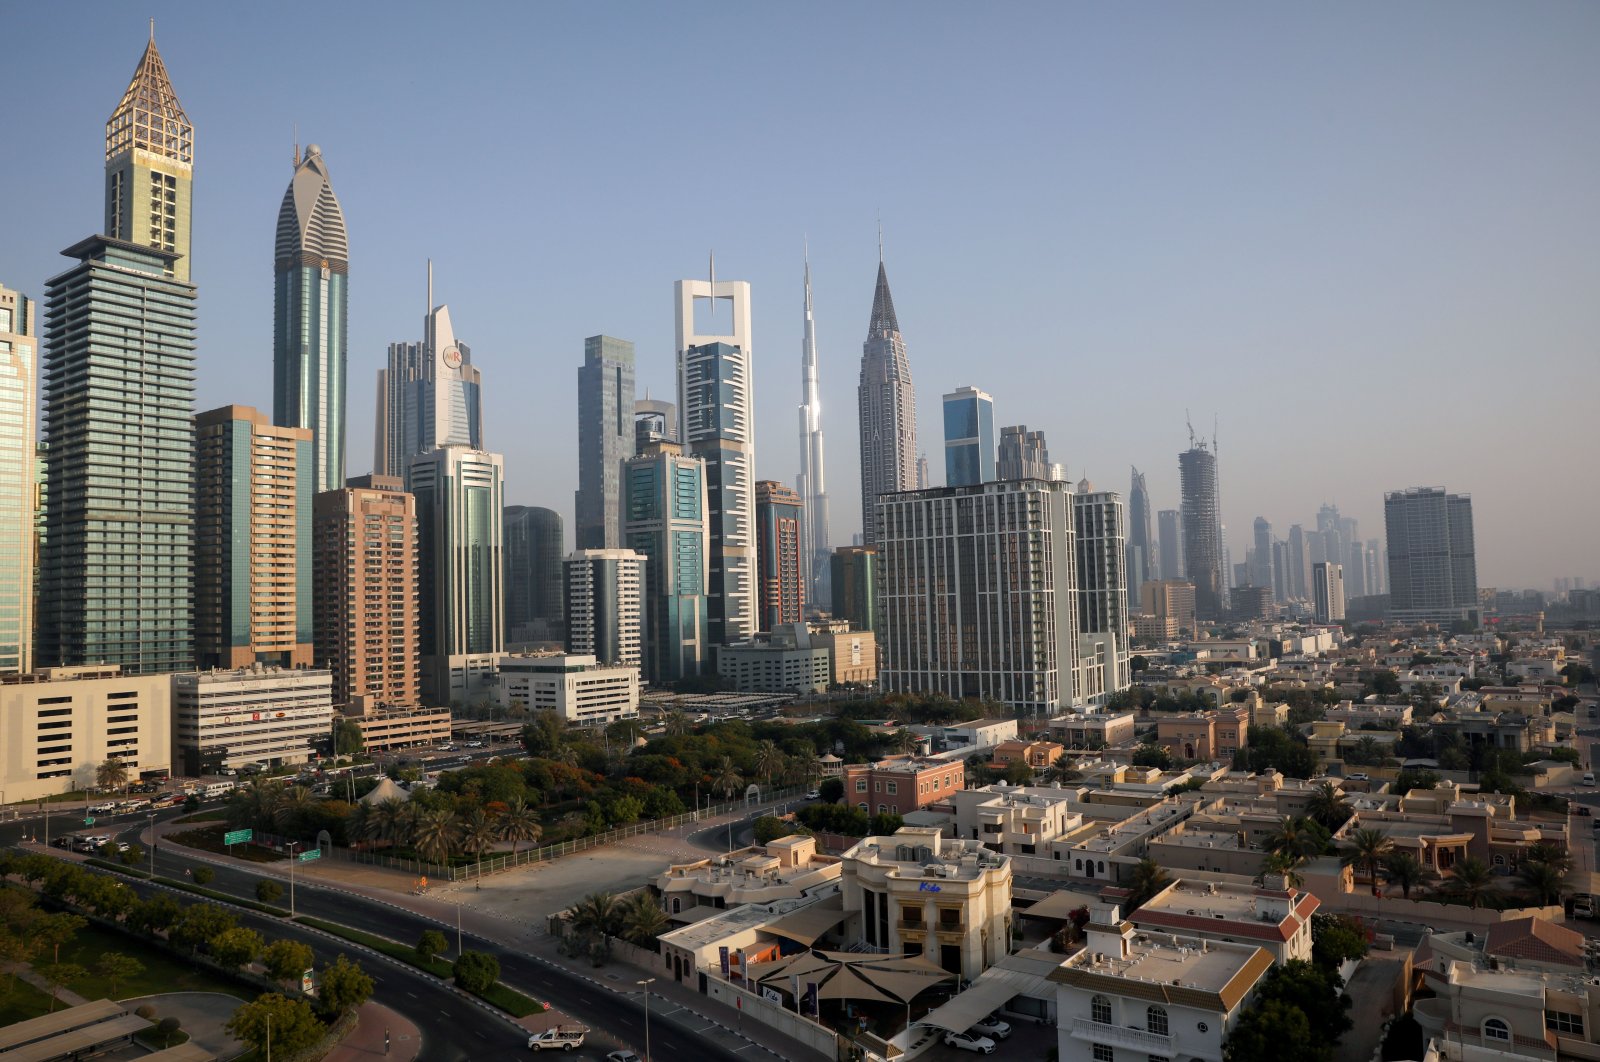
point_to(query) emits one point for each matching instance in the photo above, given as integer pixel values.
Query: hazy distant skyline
(1363, 236)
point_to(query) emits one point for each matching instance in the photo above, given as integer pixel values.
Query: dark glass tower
(605, 440)
(533, 574)
(1202, 528)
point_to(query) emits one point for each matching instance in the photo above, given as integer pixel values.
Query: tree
(1405, 870)
(1411, 778)
(343, 986)
(1017, 772)
(904, 741)
(1547, 881)
(1269, 1031)
(430, 945)
(770, 828)
(727, 778)
(677, 724)
(1328, 806)
(519, 823)
(347, 739)
(1152, 755)
(203, 875)
(167, 1028)
(885, 824)
(155, 915)
(286, 960)
(768, 759)
(1385, 684)
(291, 1023)
(111, 774)
(52, 931)
(268, 891)
(59, 975)
(1296, 837)
(235, 947)
(199, 923)
(642, 920)
(476, 971)
(597, 912)
(434, 834)
(1471, 879)
(831, 789)
(1281, 864)
(1149, 878)
(116, 967)
(478, 833)
(1336, 939)
(1138, 663)
(1367, 848)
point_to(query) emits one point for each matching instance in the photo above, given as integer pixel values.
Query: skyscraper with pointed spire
(811, 484)
(150, 165)
(1141, 543)
(887, 403)
(310, 312)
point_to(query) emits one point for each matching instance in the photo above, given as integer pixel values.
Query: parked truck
(560, 1038)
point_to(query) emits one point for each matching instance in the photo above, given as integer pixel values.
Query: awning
(807, 924)
(993, 989)
(849, 975)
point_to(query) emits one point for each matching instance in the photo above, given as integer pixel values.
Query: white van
(1588, 778)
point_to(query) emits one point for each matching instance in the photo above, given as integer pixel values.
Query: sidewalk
(365, 1043)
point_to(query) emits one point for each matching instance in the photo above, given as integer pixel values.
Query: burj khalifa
(811, 484)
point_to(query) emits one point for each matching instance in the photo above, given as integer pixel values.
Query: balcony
(1117, 1036)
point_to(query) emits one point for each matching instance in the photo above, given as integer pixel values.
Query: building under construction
(1202, 526)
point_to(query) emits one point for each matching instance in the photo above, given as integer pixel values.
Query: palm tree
(768, 759)
(1328, 806)
(478, 833)
(1149, 878)
(1472, 879)
(1284, 864)
(1293, 838)
(358, 823)
(1557, 857)
(387, 820)
(904, 741)
(807, 765)
(112, 774)
(519, 823)
(1405, 870)
(597, 912)
(567, 754)
(677, 723)
(642, 920)
(1547, 880)
(434, 834)
(1367, 848)
(727, 778)
(288, 803)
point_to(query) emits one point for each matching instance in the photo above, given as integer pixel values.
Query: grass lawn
(209, 839)
(202, 816)
(162, 972)
(23, 1002)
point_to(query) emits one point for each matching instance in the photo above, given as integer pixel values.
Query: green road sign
(89, 821)
(310, 854)
(237, 836)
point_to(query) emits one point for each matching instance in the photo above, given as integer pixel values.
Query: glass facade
(533, 541)
(18, 390)
(605, 439)
(460, 498)
(665, 521)
(969, 447)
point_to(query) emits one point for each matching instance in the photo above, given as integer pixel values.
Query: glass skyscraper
(605, 439)
(311, 272)
(533, 552)
(460, 496)
(969, 448)
(19, 344)
(664, 519)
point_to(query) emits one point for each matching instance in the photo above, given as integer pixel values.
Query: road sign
(237, 836)
(88, 820)
(310, 854)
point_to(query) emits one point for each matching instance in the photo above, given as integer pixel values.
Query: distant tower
(1023, 454)
(1299, 564)
(855, 586)
(1327, 591)
(664, 521)
(605, 440)
(1202, 528)
(1141, 543)
(968, 438)
(19, 380)
(150, 166)
(780, 515)
(1433, 570)
(715, 410)
(1100, 529)
(887, 406)
(605, 605)
(1261, 559)
(1169, 522)
(533, 552)
(811, 483)
(310, 313)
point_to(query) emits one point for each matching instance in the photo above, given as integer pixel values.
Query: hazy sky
(1364, 236)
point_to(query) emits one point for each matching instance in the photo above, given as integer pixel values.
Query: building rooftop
(1195, 906)
(1166, 967)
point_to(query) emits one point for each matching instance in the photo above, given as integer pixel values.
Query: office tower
(714, 409)
(1170, 524)
(924, 477)
(252, 541)
(812, 482)
(1261, 555)
(430, 395)
(665, 521)
(1375, 570)
(1280, 571)
(19, 517)
(1023, 454)
(1299, 564)
(364, 554)
(1327, 592)
(605, 605)
(978, 594)
(1203, 544)
(1433, 574)
(1100, 530)
(310, 316)
(116, 575)
(605, 439)
(653, 421)
(855, 596)
(1358, 569)
(886, 404)
(1168, 610)
(532, 540)
(150, 168)
(968, 437)
(780, 515)
(1140, 559)
(460, 498)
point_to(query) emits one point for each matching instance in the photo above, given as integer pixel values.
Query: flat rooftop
(1164, 959)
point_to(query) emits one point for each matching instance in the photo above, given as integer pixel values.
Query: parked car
(1588, 778)
(968, 1042)
(622, 1056)
(991, 1027)
(815, 794)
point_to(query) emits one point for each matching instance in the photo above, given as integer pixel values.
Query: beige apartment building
(59, 724)
(1166, 610)
(365, 548)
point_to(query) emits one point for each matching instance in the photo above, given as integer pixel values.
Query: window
(1102, 1053)
(1564, 1023)
(861, 785)
(1495, 1029)
(863, 807)
(1155, 1020)
(893, 789)
(1100, 1010)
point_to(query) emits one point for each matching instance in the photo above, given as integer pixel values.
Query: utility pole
(645, 984)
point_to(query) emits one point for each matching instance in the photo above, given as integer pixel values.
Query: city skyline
(1378, 233)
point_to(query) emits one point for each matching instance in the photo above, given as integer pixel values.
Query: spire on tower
(883, 318)
(150, 117)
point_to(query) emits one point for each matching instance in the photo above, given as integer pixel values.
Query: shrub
(475, 971)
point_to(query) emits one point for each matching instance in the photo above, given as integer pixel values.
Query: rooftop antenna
(880, 237)
(152, 31)
(713, 288)
(297, 145)
(429, 309)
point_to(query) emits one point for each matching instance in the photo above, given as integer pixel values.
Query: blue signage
(927, 886)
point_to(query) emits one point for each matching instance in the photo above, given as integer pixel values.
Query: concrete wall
(797, 1027)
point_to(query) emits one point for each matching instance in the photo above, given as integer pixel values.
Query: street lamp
(293, 859)
(151, 818)
(645, 984)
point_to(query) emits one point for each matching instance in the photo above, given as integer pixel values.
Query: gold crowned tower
(150, 164)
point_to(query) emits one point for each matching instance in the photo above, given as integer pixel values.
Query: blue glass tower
(664, 518)
(968, 438)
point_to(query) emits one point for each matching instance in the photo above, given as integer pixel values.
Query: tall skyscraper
(1299, 564)
(714, 406)
(1327, 592)
(605, 439)
(1376, 568)
(1433, 571)
(429, 396)
(1141, 557)
(1100, 533)
(968, 438)
(1202, 529)
(364, 554)
(887, 406)
(1022, 454)
(811, 483)
(978, 594)
(310, 316)
(252, 549)
(1358, 569)
(150, 166)
(664, 520)
(780, 515)
(533, 578)
(855, 586)
(1261, 555)
(1170, 524)
(605, 605)
(19, 368)
(460, 497)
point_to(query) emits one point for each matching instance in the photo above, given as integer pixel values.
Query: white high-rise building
(1101, 532)
(816, 543)
(256, 714)
(1327, 591)
(714, 408)
(605, 605)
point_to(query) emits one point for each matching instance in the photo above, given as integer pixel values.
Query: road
(453, 1029)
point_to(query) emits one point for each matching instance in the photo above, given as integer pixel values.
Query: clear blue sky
(1364, 235)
